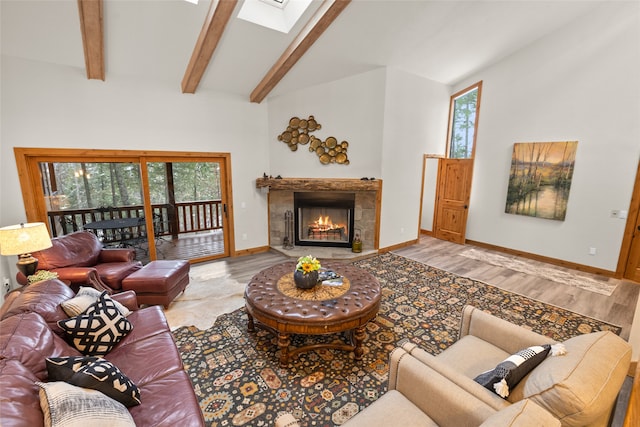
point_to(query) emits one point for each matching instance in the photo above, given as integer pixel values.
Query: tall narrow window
(463, 122)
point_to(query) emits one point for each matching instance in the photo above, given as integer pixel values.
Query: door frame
(630, 229)
(438, 201)
(28, 159)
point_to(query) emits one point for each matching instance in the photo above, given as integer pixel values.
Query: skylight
(279, 15)
(277, 3)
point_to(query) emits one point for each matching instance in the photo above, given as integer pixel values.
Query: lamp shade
(24, 238)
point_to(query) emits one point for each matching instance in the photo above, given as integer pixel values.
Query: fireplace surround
(324, 218)
(366, 198)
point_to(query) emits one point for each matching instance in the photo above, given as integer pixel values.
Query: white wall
(390, 119)
(577, 84)
(45, 105)
(350, 110)
(415, 123)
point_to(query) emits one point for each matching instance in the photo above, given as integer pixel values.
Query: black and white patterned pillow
(96, 331)
(94, 373)
(508, 373)
(65, 405)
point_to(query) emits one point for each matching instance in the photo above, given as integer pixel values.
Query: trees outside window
(463, 123)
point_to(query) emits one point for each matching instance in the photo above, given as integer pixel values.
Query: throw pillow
(62, 368)
(510, 371)
(65, 405)
(94, 373)
(83, 299)
(98, 329)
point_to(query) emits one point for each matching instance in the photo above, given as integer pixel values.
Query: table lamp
(23, 239)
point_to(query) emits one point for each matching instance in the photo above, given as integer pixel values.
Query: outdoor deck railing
(185, 217)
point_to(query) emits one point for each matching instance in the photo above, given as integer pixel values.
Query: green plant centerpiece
(41, 275)
(306, 274)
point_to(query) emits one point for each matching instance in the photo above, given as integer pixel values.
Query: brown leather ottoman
(273, 300)
(158, 282)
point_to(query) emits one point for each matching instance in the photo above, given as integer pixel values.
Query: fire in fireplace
(324, 218)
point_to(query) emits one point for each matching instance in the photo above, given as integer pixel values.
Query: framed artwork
(540, 179)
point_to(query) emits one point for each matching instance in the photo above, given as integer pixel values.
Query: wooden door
(452, 199)
(631, 240)
(632, 272)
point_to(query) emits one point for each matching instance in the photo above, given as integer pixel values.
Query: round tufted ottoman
(273, 300)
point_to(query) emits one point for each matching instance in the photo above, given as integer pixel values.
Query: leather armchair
(80, 259)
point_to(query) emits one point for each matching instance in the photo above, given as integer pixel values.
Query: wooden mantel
(320, 184)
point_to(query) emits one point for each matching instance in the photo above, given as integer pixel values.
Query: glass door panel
(102, 197)
(188, 209)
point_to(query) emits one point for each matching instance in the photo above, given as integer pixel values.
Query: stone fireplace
(352, 205)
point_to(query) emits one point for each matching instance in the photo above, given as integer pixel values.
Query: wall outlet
(6, 285)
(592, 251)
(244, 236)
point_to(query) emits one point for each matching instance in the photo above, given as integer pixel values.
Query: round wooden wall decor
(328, 151)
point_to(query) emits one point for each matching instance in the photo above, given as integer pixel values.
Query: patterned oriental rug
(239, 383)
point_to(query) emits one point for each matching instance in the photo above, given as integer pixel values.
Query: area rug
(238, 381)
(208, 293)
(537, 269)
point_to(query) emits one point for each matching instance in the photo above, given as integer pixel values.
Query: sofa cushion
(85, 297)
(580, 387)
(135, 357)
(94, 373)
(65, 405)
(19, 405)
(148, 321)
(510, 371)
(98, 329)
(471, 356)
(43, 298)
(169, 401)
(392, 409)
(521, 414)
(27, 338)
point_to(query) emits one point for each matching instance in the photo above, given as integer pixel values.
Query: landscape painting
(540, 179)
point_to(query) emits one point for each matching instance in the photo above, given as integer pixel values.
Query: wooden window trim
(477, 85)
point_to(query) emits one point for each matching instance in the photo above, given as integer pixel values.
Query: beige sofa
(575, 389)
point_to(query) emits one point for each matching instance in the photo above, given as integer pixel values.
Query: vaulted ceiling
(205, 47)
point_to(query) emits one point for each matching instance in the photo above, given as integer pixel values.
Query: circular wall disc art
(328, 151)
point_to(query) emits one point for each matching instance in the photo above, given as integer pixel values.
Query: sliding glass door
(189, 213)
(165, 206)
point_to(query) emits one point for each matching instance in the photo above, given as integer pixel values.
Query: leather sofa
(578, 388)
(147, 355)
(80, 259)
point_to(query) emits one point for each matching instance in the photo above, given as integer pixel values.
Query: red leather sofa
(80, 259)
(147, 356)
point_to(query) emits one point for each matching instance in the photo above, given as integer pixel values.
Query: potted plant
(306, 274)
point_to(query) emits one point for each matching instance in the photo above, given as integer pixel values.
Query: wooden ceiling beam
(217, 18)
(91, 26)
(319, 22)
